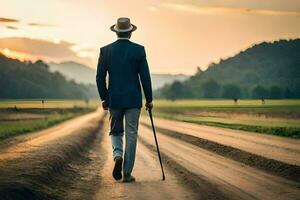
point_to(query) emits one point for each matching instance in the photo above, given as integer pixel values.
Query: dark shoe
(128, 179)
(117, 172)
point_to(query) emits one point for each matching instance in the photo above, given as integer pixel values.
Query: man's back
(126, 64)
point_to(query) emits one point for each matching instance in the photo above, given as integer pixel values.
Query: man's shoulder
(132, 44)
(106, 46)
(136, 45)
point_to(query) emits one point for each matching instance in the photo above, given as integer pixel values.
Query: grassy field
(48, 103)
(23, 116)
(276, 117)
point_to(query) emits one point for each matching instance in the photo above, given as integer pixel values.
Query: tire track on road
(232, 178)
(42, 166)
(272, 166)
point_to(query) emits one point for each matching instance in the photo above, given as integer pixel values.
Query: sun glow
(6, 51)
(85, 54)
(56, 41)
(18, 55)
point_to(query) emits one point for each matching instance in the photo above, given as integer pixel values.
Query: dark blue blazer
(127, 67)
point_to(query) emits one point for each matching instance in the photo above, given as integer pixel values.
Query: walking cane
(154, 133)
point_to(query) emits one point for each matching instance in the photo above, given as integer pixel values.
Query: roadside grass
(23, 116)
(285, 131)
(275, 117)
(191, 103)
(52, 103)
(10, 129)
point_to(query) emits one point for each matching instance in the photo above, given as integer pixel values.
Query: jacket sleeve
(145, 76)
(101, 76)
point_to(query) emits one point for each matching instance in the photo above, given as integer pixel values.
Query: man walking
(126, 65)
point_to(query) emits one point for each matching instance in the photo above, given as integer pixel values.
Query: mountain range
(83, 74)
(26, 79)
(264, 70)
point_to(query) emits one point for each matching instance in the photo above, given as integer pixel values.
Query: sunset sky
(179, 35)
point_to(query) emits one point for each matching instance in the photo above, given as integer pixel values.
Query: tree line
(212, 89)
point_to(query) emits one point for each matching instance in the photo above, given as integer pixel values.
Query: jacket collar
(126, 39)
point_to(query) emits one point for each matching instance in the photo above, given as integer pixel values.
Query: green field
(48, 103)
(276, 117)
(23, 116)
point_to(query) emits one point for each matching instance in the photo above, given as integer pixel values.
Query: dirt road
(234, 179)
(148, 185)
(278, 148)
(73, 160)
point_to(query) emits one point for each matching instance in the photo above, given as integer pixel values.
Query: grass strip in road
(291, 132)
(11, 129)
(272, 166)
(199, 185)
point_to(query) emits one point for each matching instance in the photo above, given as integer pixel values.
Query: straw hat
(123, 25)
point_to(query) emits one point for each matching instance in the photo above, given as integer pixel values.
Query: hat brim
(112, 28)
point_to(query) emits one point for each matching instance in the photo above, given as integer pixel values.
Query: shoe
(117, 172)
(128, 179)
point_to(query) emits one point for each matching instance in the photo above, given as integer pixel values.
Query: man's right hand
(149, 105)
(104, 105)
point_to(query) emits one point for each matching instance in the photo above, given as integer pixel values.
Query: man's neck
(119, 38)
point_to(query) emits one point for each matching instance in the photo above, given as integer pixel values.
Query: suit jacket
(127, 68)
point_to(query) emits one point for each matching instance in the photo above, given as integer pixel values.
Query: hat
(123, 25)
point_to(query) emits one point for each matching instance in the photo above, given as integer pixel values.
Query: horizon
(155, 73)
(168, 29)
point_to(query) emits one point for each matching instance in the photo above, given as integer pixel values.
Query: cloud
(8, 20)
(56, 50)
(216, 10)
(12, 27)
(37, 47)
(40, 25)
(31, 24)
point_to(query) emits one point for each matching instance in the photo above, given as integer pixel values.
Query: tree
(288, 93)
(275, 92)
(259, 92)
(231, 91)
(199, 71)
(211, 89)
(176, 91)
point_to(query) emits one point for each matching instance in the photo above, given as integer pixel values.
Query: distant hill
(159, 80)
(20, 80)
(78, 72)
(265, 70)
(84, 74)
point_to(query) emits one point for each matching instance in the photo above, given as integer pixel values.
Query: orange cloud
(33, 49)
(18, 55)
(32, 24)
(12, 27)
(40, 25)
(8, 20)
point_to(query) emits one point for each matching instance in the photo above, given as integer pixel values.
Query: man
(127, 67)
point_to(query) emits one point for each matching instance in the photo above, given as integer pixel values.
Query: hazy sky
(179, 35)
